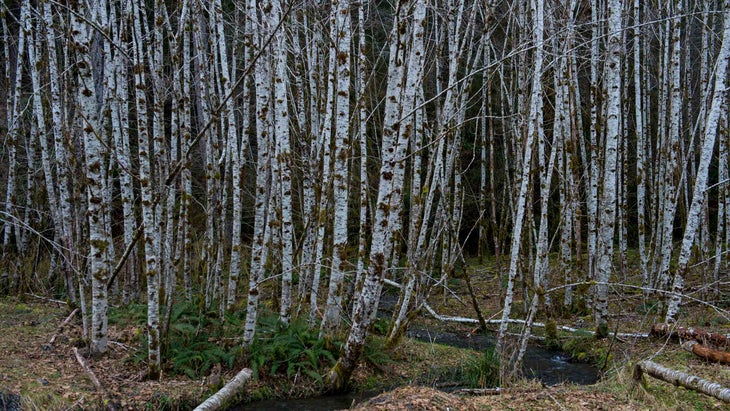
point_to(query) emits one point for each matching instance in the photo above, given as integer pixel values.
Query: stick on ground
(63, 324)
(90, 373)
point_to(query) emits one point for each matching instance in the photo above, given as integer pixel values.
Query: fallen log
(226, 393)
(697, 334)
(706, 353)
(50, 300)
(685, 380)
(466, 320)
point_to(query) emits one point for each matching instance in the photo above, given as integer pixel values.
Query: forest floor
(48, 376)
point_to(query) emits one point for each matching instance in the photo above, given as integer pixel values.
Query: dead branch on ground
(63, 325)
(92, 377)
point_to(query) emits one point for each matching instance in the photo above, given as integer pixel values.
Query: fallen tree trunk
(226, 393)
(682, 379)
(669, 330)
(466, 320)
(706, 353)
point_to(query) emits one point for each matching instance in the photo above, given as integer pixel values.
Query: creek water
(549, 366)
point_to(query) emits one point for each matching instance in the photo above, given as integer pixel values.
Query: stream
(548, 366)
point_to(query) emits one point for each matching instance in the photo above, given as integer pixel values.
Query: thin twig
(479, 391)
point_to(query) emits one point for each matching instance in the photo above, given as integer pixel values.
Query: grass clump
(483, 371)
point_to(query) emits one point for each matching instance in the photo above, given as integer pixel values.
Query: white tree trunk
(123, 154)
(264, 123)
(719, 95)
(39, 113)
(284, 154)
(322, 155)
(89, 100)
(412, 123)
(393, 155)
(341, 48)
(363, 145)
(151, 235)
(607, 215)
(519, 216)
(14, 114)
(640, 144)
(61, 152)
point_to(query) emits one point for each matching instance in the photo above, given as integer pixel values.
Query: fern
(289, 350)
(192, 347)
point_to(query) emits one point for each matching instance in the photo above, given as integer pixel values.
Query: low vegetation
(289, 360)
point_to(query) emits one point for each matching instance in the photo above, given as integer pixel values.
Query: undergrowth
(197, 339)
(290, 349)
(584, 347)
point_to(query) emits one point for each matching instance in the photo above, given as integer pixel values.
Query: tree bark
(607, 206)
(264, 126)
(340, 19)
(393, 155)
(151, 235)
